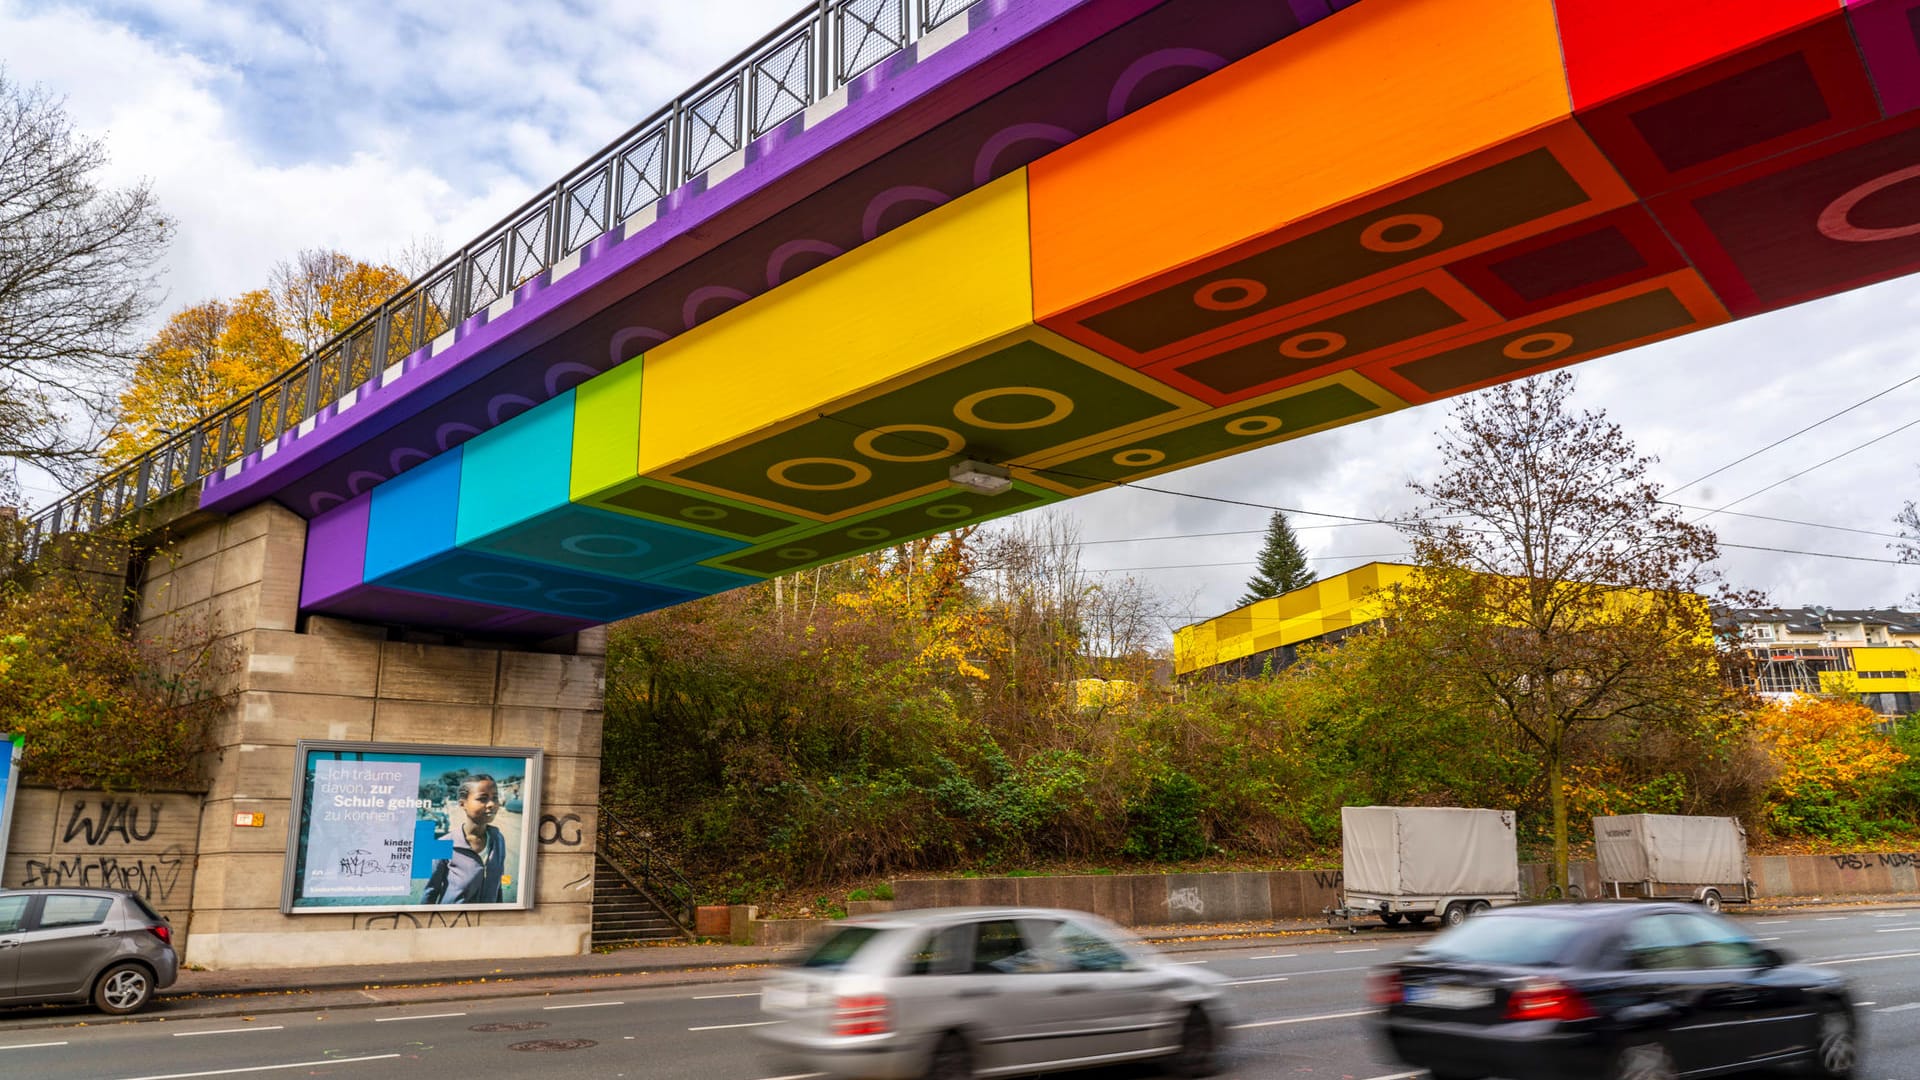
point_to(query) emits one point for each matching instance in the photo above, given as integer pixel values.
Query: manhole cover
(553, 1044)
(511, 1025)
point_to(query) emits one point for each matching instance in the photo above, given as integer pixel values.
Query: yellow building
(1872, 652)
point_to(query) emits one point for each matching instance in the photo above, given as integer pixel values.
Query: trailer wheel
(1417, 918)
(1455, 914)
(1710, 899)
(1391, 918)
(1479, 907)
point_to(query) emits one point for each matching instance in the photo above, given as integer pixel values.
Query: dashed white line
(1187, 963)
(1831, 918)
(227, 1031)
(31, 1046)
(797, 1076)
(1776, 937)
(1307, 1019)
(267, 1068)
(1898, 930)
(716, 997)
(725, 1027)
(1863, 959)
(1398, 1076)
(1276, 956)
(583, 1005)
(1256, 982)
(1772, 922)
(1343, 952)
(1898, 1008)
(423, 1016)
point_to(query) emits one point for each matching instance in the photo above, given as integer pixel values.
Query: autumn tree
(211, 353)
(76, 279)
(1908, 547)
(1555, 590)
(1282, 564)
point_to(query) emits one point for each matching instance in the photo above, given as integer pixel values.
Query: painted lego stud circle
(867, 532)
(857, 474)
(1253, 425)
(606, 546)
(968, 408)
(949, 510)
(1230, 294)
(575, 597)
(796, 553)
(954, 442)
(703, 513)
(1313, 344)
(1140, 458)
(1538, 346)
(499, 581)
(1836, 221)
(1401, 232)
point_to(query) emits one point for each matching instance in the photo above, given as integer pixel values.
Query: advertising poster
(9, 772)
(390, 827)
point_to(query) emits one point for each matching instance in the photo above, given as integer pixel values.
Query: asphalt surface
(1300, 1005)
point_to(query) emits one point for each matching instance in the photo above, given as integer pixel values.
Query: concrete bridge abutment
(232, 585)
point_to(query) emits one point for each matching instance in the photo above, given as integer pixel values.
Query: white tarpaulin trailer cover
(1429, 851)
(1671, 849)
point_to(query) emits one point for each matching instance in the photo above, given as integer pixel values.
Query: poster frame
(529, 852)
(14, 744)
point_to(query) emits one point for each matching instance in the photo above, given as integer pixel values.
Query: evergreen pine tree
(1282, 564)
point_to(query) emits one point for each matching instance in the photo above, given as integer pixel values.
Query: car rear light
(1547, 1000)
(164, 933)
(1385, 988)
(861, 1014)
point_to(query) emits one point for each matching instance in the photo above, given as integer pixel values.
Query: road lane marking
(268, 1068)
(1275, 956)
(1864, 1004)
(1864, 959)
(1187, 963)
(1831, 918)
(1776, 937)
(30, 1046)
(1343, 952)
(797, 1076)
(583, 1005)
(1400, 1076)
(226, 1031)
(1256, 982)
(1898, 930)
(1306, 1019)
(716, 997)
(1899, 1008)
(424, 1016)
(725, 1027)
(1772, 922)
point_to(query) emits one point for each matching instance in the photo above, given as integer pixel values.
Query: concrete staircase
(622, 913)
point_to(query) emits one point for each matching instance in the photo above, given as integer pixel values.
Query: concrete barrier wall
(148, 844)
(1172, 899)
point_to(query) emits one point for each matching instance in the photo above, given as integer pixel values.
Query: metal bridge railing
(804, 60)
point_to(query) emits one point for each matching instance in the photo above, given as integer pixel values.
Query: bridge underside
(1407, 200)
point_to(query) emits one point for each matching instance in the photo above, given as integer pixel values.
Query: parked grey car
(963, 992)
(100, 945)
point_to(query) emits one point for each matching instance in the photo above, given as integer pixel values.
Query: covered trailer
(1673, 857)
(1412, 862)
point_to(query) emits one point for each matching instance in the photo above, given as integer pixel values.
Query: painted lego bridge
(1206, 229)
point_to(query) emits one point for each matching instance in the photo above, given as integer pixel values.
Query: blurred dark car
(75, 945)
(962, 992)
(1622, 991)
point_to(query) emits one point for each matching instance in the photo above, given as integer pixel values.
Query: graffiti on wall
(154, 877)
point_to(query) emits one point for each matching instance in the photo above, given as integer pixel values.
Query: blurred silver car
(70, 945)
(963, 992)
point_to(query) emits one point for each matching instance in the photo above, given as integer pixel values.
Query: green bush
(1165, 823)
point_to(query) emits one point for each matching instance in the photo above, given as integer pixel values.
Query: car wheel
(122, 989)
(1391, 918)
(1643, 1061)
(1711, 900)
(1835, 1054)
(1199, 1050)
(1455, 914)
(952, 1060)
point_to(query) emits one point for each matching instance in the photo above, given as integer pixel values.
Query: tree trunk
(1557, 794)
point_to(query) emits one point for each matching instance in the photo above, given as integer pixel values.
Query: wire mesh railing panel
(585, 206)
(869, 31)
(811, 54)
(713, 126)
(782, 81)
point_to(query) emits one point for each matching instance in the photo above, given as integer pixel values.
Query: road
(1301, 1004)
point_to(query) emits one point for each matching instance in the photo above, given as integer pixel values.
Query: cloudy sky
(271, 127)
